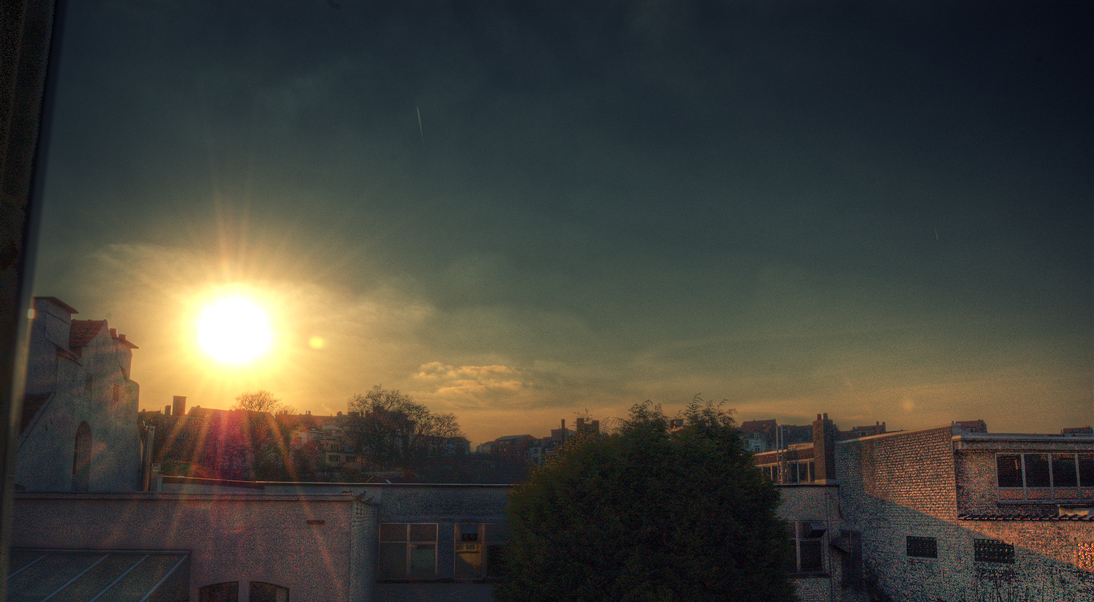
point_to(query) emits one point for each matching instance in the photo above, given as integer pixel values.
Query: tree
(261, 441)
(643, 514)
(395, 431)
(262, 401)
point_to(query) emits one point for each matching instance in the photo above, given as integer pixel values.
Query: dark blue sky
(879, 210)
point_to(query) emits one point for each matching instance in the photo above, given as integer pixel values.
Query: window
(796, 471)
(219, 592)
(1064, 473)
(1009, 467)
(1037, 471)
(1086, 469)
(769, 471)
(268, 592)
(1044, 470)
(922, 547)
(808, 552)
(81, 459)
(408, 551)
(991, 550)
(805, 471)
(478, 550)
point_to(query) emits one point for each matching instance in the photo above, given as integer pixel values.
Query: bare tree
(262, 401)
(397, 431)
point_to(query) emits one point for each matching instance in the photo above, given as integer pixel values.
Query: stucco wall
(46, 448)
(305, 543)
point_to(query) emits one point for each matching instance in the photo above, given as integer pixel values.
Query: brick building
(970, 516)
(950, 513)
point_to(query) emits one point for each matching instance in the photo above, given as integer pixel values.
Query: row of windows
(984, 550)
(1045, 470)
(410, 551)
(229, 592)
(796, 471)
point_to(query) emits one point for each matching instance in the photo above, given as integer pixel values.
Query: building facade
(79, 430)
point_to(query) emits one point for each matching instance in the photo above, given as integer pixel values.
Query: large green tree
(645, 514)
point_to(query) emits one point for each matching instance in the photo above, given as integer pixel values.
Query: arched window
(81, 459)
(219, 592)
(268, 592)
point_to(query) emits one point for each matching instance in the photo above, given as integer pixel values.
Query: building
(950, 513)
(79, 430)
(221, 540)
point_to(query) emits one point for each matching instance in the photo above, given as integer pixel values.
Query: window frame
(486, 539)
(408, 546)
(277, 589)
(918, 546)
(1054, 460)
(206, 593)
(994, 551)
(797, 538)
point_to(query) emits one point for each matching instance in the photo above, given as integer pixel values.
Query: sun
(234, 330)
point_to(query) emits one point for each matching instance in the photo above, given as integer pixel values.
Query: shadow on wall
(908, 555)
(916, 546)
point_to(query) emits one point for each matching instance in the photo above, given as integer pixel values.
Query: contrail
(935, 230)
(420, 131)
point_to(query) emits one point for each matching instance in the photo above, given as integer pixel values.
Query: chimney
(563, 424)
(824, 449)
(166, 410)
(178, 405)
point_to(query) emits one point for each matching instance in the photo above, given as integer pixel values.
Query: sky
(518, 211)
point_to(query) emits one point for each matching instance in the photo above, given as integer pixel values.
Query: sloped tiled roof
(83, 331)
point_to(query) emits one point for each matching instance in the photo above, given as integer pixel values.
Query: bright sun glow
(234, 330)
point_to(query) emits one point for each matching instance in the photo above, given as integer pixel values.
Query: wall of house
(447, 506)
(316, 546)
(443, 505)
(898, 485)
(906, 484)
(816, 503)
(1047, 557)
(46, 447)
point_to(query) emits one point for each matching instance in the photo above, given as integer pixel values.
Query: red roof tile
(83, 331)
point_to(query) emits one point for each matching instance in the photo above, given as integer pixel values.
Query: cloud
(471, 386)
